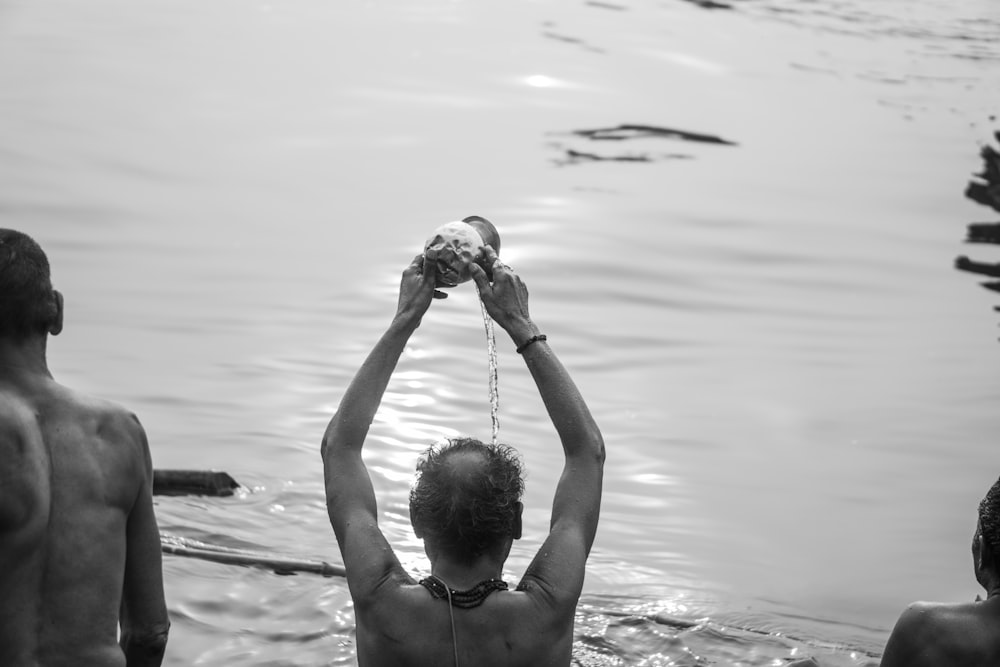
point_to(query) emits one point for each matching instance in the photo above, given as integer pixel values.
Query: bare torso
(957, 635)
(70, 470)
(406, 627)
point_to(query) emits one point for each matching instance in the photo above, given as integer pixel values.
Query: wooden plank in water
(193, 482)
(182, 546)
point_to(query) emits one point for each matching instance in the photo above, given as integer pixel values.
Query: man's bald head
(467, 496)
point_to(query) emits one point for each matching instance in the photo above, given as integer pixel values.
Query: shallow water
(796, 389)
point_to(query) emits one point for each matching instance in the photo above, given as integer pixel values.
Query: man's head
(467, 498)
(28, 304)
(986, 544)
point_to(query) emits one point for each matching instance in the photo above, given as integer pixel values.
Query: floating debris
(630, 131)
(572, 40)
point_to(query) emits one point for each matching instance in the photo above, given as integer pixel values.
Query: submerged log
(193, 483)
(182, 546)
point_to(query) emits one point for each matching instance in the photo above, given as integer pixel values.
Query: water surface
(796, 389)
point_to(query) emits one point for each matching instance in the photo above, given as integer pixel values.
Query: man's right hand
(416, 289)
(506, 298)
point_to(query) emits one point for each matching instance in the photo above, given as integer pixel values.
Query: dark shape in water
(633, 131)
(966, 264)
(985, 190)
(995, 286)
(709, 4)
(606, 5)
(983, 232)
(193, 483)
(571, 40)
(576, 156)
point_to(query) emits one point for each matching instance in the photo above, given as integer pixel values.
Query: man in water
(79, 546)
(466, 507)
(967, 633)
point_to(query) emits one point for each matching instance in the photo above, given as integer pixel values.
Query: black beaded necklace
(467, 599)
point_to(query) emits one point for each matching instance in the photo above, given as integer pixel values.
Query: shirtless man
(466, 508)
(965, 634)
(79, 546)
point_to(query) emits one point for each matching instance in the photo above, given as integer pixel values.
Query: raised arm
(559, 565)
(350, 498)
(144, 621)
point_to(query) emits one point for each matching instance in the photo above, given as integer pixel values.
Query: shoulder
(108, 432)
(927, 631)
(923, 614)
(938, 618)
(16, 414)
(110, 421)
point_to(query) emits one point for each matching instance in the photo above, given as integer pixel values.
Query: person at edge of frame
(80, 559)
(962, 634)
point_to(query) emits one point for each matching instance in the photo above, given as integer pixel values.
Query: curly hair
(989, 518)
(467, 509)
(27, 306)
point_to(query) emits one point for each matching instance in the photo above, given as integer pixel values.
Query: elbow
(142, 644)
(597, 440)
(595, 446)
(324, 447)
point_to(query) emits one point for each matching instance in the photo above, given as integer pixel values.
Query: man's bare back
(79, 546)
(405, 627)
(74, 471)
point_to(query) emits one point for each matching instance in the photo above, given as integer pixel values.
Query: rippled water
(796, 389)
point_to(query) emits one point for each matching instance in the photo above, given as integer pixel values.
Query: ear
(518, 511)
(984, 554)
(416, 530)
(56, 326)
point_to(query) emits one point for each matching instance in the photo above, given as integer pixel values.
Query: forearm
(349, 425)
(568, 411)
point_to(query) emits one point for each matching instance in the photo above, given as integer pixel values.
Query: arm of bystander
(144, 620)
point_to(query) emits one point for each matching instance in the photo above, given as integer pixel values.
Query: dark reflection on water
(796, 390)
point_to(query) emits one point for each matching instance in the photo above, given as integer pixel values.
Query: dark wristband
(534, 339)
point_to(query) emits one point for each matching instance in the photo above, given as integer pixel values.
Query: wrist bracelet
(534, 339)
